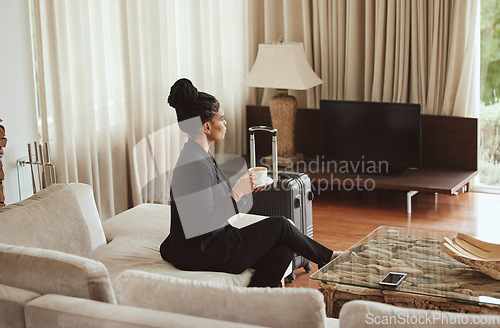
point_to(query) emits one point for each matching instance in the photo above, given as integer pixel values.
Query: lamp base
(283, 108)
(286, 162)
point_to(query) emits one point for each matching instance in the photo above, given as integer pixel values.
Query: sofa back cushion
(51, 272)
(50, 219)
(270, 307)
(149, 221)
(85, 197)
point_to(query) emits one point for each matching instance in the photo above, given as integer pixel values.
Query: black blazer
(200, 235)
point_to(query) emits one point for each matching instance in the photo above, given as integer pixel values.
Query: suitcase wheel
(291, 277)
(308, 267)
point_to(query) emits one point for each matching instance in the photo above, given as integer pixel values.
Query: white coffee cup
(260, 175)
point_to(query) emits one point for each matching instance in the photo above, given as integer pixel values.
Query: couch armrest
(12, 303)
(58, 311)
(271, 307)
(359, 314)
(51, 272)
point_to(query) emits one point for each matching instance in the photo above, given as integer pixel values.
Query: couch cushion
(85, 197)
(12, 303)
(52, 272)
(50, 219)
(129, 252)
(134, 238)
(144, 220)
(332, 323)
(272, 307)
(359, 314)
(57, 311)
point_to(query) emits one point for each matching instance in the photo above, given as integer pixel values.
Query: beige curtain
(445, 63)
(105, 69)
(416, 51)
(268, 20)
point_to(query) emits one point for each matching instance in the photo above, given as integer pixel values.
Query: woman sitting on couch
(202, 201)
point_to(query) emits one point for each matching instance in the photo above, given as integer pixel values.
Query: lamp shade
(282, 66)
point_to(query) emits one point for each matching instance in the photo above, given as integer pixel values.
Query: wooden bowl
(476, 253)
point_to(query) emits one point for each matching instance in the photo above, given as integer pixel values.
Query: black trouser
(268, 246)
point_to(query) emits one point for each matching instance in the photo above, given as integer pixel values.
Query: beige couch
(54, 245)
(152, 300)
(61, 267)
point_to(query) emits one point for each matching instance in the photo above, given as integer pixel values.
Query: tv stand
(449, 155)
(392, 171)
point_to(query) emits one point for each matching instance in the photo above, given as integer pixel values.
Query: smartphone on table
(393, 279)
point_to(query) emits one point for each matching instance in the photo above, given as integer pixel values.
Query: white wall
(17, 90)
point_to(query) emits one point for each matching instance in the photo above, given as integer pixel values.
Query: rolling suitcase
(290, 195)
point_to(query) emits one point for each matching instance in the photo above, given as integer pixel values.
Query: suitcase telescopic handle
(272, 130)
(253, 158)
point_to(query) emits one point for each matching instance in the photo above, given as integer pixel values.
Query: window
(489, 116)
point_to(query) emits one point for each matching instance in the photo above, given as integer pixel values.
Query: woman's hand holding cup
(252, 181)
(244, 185)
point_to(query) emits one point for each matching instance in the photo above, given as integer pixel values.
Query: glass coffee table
(434, 280)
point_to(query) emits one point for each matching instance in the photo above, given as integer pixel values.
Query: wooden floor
(342, 218)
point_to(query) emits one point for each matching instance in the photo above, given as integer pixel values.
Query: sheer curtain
(104, 72)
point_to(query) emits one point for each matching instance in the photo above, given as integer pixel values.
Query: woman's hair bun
(182, 93)
(189, 103)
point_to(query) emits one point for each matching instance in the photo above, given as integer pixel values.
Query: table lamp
(283, 66)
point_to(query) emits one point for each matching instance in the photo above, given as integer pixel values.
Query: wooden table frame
(336, 295)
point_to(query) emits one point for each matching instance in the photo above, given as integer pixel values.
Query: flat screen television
(365, 133)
